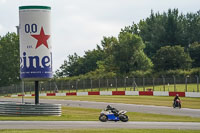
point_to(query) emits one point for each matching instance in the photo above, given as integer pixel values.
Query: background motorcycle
(177, 103)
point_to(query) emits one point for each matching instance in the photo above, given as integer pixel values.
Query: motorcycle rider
(176, 98)
(113, 110)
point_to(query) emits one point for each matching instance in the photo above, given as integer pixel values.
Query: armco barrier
(11, 108)
(107, 93)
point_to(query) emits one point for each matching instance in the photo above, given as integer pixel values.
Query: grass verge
(187, 102)
(87, 114)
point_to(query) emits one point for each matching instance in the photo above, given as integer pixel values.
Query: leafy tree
(169, 28)
(128, 54)
(194, 51)
(9, 59)
(117, 56)
(108, 44)
(69, 68)
(161, 30)
(192, 26)
(171, 58)
(77, 65)
(100, 72)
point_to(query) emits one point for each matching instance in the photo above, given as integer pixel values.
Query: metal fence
(187, 84)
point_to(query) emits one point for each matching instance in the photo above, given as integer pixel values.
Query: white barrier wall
(14, 95)
(110, 93)
(82, 93)
(161, 93)
(28, 95)
(192, 94)
(133, 93)
(105, 92)
(60, 94)
(43, 94)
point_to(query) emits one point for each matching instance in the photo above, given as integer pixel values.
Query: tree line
(9, 59)
(164, 44)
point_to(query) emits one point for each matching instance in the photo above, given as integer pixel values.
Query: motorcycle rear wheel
(103, 118)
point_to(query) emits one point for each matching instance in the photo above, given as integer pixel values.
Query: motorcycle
(108, 115)
(177, 103)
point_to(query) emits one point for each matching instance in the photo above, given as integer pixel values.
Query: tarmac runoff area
(120, 106)
(97, 124)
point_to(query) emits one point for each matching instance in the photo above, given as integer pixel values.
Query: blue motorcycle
(112, 114)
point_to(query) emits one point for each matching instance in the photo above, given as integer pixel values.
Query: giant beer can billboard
(35, 42)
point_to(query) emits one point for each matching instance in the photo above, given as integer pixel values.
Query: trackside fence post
(116, 83)
(99, 84)
(91, 83)
(143, 83)
(174, 83)
(197, 82)
(153, 83)
(163, 82)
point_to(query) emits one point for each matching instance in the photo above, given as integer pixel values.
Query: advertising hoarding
(35, 42)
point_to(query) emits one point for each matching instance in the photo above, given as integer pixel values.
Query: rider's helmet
(109, 107)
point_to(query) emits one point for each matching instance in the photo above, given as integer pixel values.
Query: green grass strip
(87, 114)
(187, 102)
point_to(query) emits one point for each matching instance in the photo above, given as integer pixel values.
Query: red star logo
(42, 38)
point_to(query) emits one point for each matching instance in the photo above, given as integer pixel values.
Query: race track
(96, 124)
(129, 107)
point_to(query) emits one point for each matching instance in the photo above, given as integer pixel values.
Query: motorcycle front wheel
(179, 105)
(103, 118)
(174, 105)
(123, 118)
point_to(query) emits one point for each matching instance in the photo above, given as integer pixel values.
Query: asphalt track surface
(120, 106)
(96, 124)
